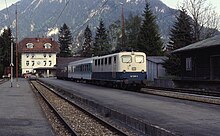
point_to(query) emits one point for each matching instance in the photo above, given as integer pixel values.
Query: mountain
(44, 18)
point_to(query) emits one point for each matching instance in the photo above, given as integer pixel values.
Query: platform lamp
(11, 64)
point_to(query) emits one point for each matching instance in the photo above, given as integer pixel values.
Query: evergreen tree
(5, 49)
(65, 41)
(181, 35)
(114, 35)
(87, 50)
(101, 44)
(132, 27)
(149, 40)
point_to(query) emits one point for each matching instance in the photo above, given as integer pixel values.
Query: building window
(50, 55)
(27, 55)
(30, 45)
(47, 45)
(45, 63)
(32, 63)
(45, 55)
(27, 63)
(189, 64)
(32, 55)
(50, 63)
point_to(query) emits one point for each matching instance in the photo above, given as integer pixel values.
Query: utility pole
(16, 12)
(122, 27)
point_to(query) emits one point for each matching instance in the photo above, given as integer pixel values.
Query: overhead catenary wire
(61, 13)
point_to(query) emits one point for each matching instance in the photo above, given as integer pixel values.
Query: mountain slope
(39, 17)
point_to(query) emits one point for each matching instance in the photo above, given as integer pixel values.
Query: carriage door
(114, 67)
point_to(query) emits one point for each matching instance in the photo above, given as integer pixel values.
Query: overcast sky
(170, 3)
(175, 3)
(9, 2)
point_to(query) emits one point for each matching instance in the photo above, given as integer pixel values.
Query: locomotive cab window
(126, 59)
(139, 59)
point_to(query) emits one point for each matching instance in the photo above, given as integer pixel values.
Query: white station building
(38, 56)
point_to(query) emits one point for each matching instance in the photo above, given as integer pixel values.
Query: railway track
(189, 91)
(3, 81)
(75, 119)
(185, 94)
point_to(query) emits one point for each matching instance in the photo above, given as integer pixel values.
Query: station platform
(178, 116)
(20, 114)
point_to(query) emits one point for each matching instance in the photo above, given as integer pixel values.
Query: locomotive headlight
(124, 71)
(142, 71)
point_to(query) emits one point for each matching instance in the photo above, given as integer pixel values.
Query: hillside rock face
(43, 17)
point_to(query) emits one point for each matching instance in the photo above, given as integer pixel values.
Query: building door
(215, 67)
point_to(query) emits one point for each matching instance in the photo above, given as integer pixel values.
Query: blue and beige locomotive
(121, 69)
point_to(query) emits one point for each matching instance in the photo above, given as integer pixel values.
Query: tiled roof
(210, 42)
(38, 45)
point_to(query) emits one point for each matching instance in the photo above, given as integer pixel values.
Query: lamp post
(11, 65)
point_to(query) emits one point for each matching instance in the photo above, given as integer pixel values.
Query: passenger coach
(120, 69)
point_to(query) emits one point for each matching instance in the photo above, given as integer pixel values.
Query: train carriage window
(106, 61)
(81, 68)
(72, 69)
(126, 59)
(84, 67)
(95, 62)
(90, 67)
(139, 59)
(98, 62)
(102, 61)
(87, 67)
(114, 59)
(110, 60)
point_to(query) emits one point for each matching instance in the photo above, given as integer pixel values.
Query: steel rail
(190, 91)
(103, 122)
(67, 126)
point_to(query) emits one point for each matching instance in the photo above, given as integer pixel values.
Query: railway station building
(38, 55)
(200, 62)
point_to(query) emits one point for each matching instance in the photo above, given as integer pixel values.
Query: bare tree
(204, 18)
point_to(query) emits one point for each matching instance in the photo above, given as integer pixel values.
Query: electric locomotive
(121, 69)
